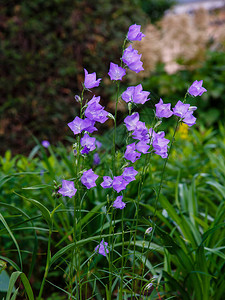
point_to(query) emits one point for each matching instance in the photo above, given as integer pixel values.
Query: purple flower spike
(180, 109)
(163, 110)
(134, 33)
(129, 174)
(102, 248)
(131, 121)
(118, 203)
(131, 154)
(88, 179)
(107, 182)
(119, 183)
(78, 125)
(196, 89)
(116, 72)
(45, 144)
(67, 188)
(90, 80)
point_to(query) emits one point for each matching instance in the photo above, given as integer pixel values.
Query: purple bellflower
(131, 121)
(160, 144)
(119, 183)
(189, 119)
(116, 72)
(196, 89)
(180, 109)
(129, 174)
(118, 203)
(95, 111)
(141, 132)
(67, 188)
(78, 125)
(132, 59)
(102, 248)
(88, 143)
(98, 144)
(163, 110)
(131, 154)
(107, 182)
(135, 94)
(134, 33)
(142, 147)
(88, 178)
(45, 144)
(90, 80)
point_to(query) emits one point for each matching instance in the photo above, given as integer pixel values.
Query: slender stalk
(114, 132)
(122, 263)
(47, 264)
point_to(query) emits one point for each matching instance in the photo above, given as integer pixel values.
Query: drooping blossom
(90, 80)
(67, 188)
(88, 143)
(132, 59)
(131, 121)
(116, 72)
(163, 110)
(88, 178)
(148, 230)
(135, 94)
(118, 203)
(196, 89)
(107, 182)
(95, 111)
(189, 119)
(134, 33)
(102, 248)
(78, 125)
(119, 183)
(129, 174)
(131, 154)
(45, 144)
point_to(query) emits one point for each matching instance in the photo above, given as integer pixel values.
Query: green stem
(114, 133)
(47, 264)
(122, 263)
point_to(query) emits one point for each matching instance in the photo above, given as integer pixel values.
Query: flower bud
(148, 230)
(192, 108)
(148, 286)
(110, 116)
(77, 98)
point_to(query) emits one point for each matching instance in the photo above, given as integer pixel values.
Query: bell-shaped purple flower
(180, 109)
(131, 154)
(134, 33)
(160, 144)
(118, 203)
(90, 80)
(119, 183)
(141, 132)
(131, 121)
(135, 94)
(96, 159)
(107, 182)
(116, 72)
(95, 111)
(163, 110)
(88, 178)
(45, 144)
(196, 89)
(132, 59)
(67, 188)
(189, 119)
(102, 248)
(88, 143)
(78, 125)
(129, 174)
(142, 147)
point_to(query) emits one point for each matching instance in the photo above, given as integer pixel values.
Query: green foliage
(186, 255)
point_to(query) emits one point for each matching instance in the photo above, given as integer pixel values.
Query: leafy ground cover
(185, 258)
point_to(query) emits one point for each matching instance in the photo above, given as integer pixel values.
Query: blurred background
(46, 44)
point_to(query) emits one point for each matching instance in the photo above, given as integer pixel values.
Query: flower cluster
(144, 139)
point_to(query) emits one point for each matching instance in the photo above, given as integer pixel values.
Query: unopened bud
(148, 230)
(157, 124)
(192, 108)
(77, 98)
(148, 286)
